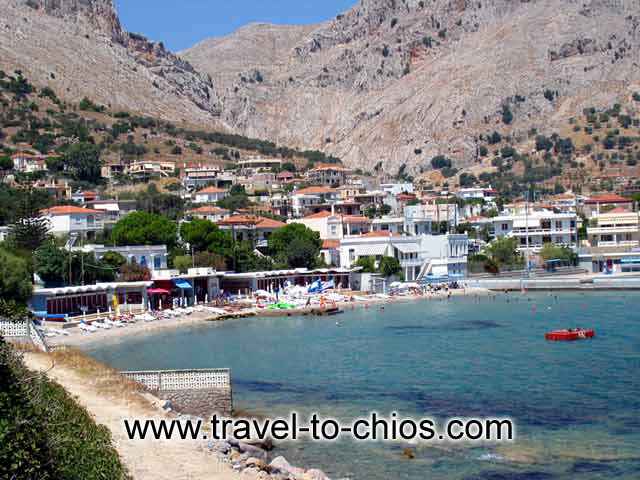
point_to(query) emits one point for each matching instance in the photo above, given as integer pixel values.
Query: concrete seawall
(559, 284)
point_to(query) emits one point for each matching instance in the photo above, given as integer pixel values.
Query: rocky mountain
(400, 81)
(389, 82)
(79, 48)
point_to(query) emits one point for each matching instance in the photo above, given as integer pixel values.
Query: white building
(334, 226)
(71, 220)
(420, 256)
(540, 227)
(209, 195)
(397, 188)
(476, 193)
(308, 199)
(617, 228)
(209, 212)
(154, 257)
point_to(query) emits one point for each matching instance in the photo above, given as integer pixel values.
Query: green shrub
(45, 434)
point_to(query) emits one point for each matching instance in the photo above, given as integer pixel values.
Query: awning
(158, 291)
(407, 247)
(522, 222)
(183, 284)
(370, 250)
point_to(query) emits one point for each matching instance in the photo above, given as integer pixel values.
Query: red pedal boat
(570, 334)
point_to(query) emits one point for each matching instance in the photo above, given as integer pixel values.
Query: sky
(181, 24)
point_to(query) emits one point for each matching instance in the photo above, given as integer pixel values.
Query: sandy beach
(78, 338)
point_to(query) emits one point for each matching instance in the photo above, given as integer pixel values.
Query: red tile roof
(618, 210)
(355, 219)
(208, 209)
(211, 190)
(330, 244)
(314, 190)
(257, 222)
(380, 233)
(607, 198)
(320, 214)
(70, 209)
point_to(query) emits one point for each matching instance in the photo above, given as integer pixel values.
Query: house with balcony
(208, 212)
(312, 199)
(332, 175)
(420, 256)
(74, 221)
(210, 195)
(597, 204)
(251, 228)
(333, 226)
(29, 163)
(537, 227)
(616, 228)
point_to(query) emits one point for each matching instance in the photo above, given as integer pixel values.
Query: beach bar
(276, 279)
(75, 301)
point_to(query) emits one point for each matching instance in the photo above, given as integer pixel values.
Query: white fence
(14, 329)
(182, 379)
(23, 330)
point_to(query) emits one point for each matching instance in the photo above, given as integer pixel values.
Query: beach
(77, 338)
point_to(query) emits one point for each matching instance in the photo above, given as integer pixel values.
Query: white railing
(37, 338)
(182, 379)
(620, 243)
(14, 329)
(24, 329)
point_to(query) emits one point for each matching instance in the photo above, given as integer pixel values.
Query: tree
(203, 235)
(389, 266)
(368, 264)
(183, 263)
(440, 161)
(81, 160)
(6, 163)
(29, 229)
(15, 278)
(113, 260)
(143, 228)
(295, 245)
(51, 263)
(550, 251)
(132, 272)
(503, 251)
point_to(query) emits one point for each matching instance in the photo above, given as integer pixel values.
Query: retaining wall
(197, 392)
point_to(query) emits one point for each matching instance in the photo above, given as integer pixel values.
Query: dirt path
(145, 459)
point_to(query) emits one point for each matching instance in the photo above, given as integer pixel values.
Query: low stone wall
(196, 392)
(200, 402)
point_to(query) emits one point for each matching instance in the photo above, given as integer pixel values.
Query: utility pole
(526, 227)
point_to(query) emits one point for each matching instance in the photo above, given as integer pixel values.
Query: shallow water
(575, 404)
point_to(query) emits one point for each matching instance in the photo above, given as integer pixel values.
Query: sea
(575, 405)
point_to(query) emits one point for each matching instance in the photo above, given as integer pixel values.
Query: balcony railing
(612, 230)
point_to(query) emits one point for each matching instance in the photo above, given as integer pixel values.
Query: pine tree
(30, 229)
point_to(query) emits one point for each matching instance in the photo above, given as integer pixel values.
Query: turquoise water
(575, 405)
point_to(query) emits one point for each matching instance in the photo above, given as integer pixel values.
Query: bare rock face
(400, 81)
(79, 48)
(391, 81)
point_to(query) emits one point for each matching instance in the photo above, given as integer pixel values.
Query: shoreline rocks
(250, 459)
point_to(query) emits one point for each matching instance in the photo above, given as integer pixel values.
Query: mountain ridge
(391, 82)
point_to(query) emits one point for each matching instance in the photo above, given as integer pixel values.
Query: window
(157, 262)
(352, 254)
(558, 225)
(505, 227)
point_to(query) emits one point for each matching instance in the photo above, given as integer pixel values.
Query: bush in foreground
(44, 433)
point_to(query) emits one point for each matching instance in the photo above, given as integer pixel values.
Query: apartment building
(539, 227)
